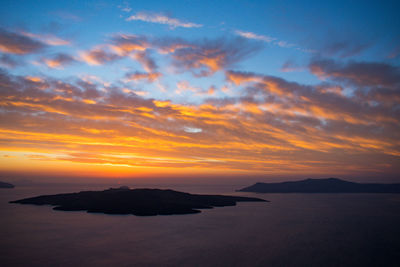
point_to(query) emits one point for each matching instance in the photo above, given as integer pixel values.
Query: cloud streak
(251, 35)
(47, 39)
(162, 19)
(268, 39)
(201, 57)
(209, 56)
(149, 77)
(15, 43)
(99, 56)
(8, 61)
(58, 61)
(357, 73)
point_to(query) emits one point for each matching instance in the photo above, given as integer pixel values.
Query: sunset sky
(200, 88)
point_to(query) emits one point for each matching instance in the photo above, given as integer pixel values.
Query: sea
(290, 230)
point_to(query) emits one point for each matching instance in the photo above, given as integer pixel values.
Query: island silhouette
(326, 185)
(6, 185)
(140, 202)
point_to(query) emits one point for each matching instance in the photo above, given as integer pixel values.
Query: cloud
(59, 60)
(274, 125)
(124, 44)
(357, 73)
(125, 7)
(170, 45)
(15, 43)
(136, 47)
(251, 35)
(147, 62)
(290, 66)
(325, 102)
(206, 57)
(184, 86)
(8, 61)
(344, 49)
(192, 130)
(284, 44)
(99, 56)
(150, 77)
(267, 124)
(47, 39)
(202, 57)
(269, 39)
(33, 79)
(162, 19)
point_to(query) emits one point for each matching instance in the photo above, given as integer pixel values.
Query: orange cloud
(206, 58)
(59, 61)
(15, 43)
(184, 86)
(148, 63)
(34, 79)
(98, 56)
(47, 39)
(150, 77)
(127, 43)
(275, 126)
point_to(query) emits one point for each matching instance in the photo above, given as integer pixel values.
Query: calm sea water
(291, 230)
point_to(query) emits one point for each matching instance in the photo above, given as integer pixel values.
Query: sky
(200, 89)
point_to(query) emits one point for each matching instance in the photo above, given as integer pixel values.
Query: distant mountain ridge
(325, 185)
(6, 185)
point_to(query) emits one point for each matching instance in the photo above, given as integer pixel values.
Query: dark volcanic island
(328, 185)
(140, 202)
(6, 185)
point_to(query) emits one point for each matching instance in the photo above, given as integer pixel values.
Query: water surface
(291, 230)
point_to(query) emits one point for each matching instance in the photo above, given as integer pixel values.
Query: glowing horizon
(138, 89)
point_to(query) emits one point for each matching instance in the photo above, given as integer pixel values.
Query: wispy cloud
(201, 57)
(358, 73)
(16, 43)
(184, 86)
(47, 38)
(344, 49)
(290, 66)
(99, 55)
(162, 19)
(58, 61)
(147, 62)
(271, 40)
(251, 35)
(123, 44)
(125, 7)
(149, 77)
(204, 58)
(7, 61)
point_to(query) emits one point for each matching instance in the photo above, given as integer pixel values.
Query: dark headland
(6, 185)
(140, 202)
(328, 185)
